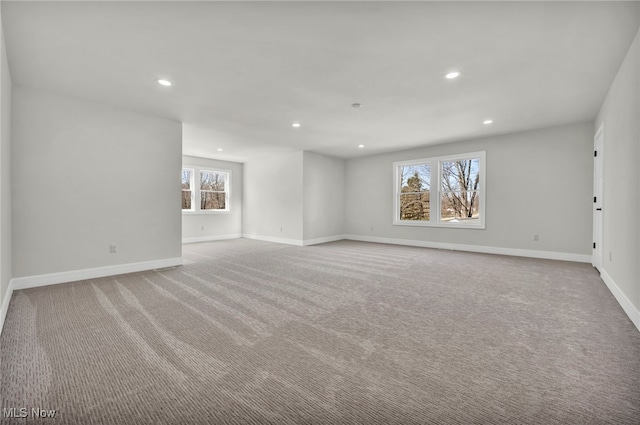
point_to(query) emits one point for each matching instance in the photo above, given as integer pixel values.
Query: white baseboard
(211, 238)
(549, 255)
(625, 303)
(5, 305)
(316, 241)
(296, 242)
(75, 275)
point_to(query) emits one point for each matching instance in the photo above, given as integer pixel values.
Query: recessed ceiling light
(361, 146)
(164, 82)
(356, 105)
(452, 75)
(219, 149)
(487, 122)
(295, 125)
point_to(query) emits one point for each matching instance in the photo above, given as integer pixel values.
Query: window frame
(436, 192)
(196, 200)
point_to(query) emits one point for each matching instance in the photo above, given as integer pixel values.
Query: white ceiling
(243, 72)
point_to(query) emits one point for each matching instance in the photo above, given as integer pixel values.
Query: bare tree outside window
(213, 194)
(187, 194)
(459, 190)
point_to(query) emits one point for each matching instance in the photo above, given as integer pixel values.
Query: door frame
(598, 189)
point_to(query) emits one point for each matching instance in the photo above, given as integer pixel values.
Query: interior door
(598, 156)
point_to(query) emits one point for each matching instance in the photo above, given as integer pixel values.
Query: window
(443, 191)
(213, 190)
(415, 191)
(187, 189)
(210, 195)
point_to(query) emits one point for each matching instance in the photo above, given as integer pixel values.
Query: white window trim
(435, 164)
(195, 201)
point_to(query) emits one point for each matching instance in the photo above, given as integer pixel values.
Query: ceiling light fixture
(295, 125)
(361, 146)
(219, 149)
(487, 122)
(164, 82)
(356, 105)
(452, 75)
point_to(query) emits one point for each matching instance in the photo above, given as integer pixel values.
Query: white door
(597, 198)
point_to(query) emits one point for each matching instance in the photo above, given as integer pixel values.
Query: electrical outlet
(113, 248)
(536, 237)
(281, 228)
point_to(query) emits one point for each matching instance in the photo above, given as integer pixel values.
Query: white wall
(5, 173)
(538, 182)
(272, 198)
(86, 176)
(219, 225)
(620, 114)
(323, 191)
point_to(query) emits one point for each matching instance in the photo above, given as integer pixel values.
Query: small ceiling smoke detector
(361, 146)
(487, 122)
(295, 125)
(356, 105)
(452, 75)
(164, 82)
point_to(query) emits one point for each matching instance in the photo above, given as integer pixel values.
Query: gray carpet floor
(251, 332)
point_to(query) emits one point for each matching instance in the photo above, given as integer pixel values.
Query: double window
(209, 193)
(443, 191)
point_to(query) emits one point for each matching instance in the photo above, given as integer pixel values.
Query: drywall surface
(5, 171)
(620, 114)
(86, 176)
(272, 197)
(323, 191)
(538, 182)
(212, 225)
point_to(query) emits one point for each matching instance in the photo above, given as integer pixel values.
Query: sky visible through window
(423, 172)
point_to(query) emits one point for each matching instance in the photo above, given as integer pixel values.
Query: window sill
(480, 226)
(205, 212)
